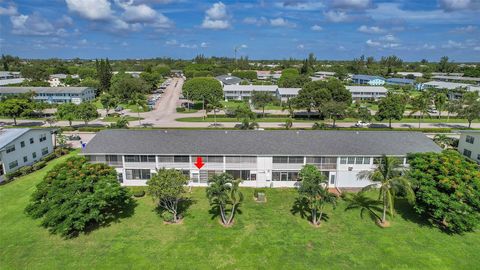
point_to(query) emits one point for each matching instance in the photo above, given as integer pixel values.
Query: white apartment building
(285, 94)
(75, 95)
(367, 92)
(244, 92)
(22, 146)
(259, 158)
(469, 144)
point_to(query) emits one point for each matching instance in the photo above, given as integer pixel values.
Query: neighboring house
(469, 144)
(259, 158)
(451, 86)
(367, 92)
(450, 78)
(134, 74)
(400, 81)
(406, 73)
(268, 75)
(4, 82)
(228, 80)
(55, 80)
(324, 74)
(22, 146)
(6, 75)
(75, 95)
(367, 79)
(285, 94)
(244, 92)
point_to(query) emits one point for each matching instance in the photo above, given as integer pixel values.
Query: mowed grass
(264, 236)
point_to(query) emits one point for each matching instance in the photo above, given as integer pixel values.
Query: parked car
(119, 109)
(362, 124)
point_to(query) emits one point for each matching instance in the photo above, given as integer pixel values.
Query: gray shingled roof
(217, 142)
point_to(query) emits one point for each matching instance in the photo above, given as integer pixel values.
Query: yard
(264, 236)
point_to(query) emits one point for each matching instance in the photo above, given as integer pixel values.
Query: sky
(263, 29)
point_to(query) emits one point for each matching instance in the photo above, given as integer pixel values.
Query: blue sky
(264, 29)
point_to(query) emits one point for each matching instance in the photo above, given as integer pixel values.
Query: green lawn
(264, 236)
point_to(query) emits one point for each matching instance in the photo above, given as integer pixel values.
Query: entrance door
(283, 176)
(1, 170)
(332, 180)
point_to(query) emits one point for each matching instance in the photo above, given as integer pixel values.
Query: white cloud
(453, 45)
(336, 16)
(256, 21)
(371, 29)
(300, 5)
(476, 48)
(453, 5)
(351, 4)
(388, 37)
(171, 42)
(316, 27)
(34, 25)
(301, 46)
(465, 29)
(385, 45)
(188, 46)
(204, 45)
(91, 9)
(65, 20)
(427, 46)
(373, 43)
(281, 22)
(9, 11)
(216, 17)
(140, 13)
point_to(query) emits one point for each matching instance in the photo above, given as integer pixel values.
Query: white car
(362, 124)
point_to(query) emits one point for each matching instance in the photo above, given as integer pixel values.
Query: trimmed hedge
(137, 192)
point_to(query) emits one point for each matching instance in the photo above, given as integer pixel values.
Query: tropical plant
(139, 101)
(248, 124)
(86, 111)
(75, 196)
(108, 102)
(288, 123)
(447, 190)
(214, 106)
(223, 193)
(15, 107)
(167, 186)
(67, 111)
(421, 104)
(261, 99)
(389, 178)
(391, 108)
(314, 190)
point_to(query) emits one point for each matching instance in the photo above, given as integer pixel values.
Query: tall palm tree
(214, 105)
(389, 178)
(223, 191)
(421, 104)
(139, 100)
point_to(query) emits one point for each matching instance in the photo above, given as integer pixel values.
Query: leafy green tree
(262, 99)
(248, 123)
(292, 78)
(68, 112)
(471, 107)
(245, 74)
(223, 193)
(288, 123)
(447, 190)
(34, 72)
(364, 114)
(391, 107)
(204, 89)
(340, 73)
(243, 111)
(75, 196)
(121, 123)
(139, 101)
(86, 111)
(167, 186)
(314, 190)
(89, 82)
(124, 86)
(214, 106)
(15, 107)
(108, 102)
(453, 106)
(104, 74)
(391, 62)
(421, 104)
(334, 110)
(389, 178)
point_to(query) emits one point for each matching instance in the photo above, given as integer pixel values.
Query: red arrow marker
(199, 163)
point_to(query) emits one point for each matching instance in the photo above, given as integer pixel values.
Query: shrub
(49, 157)
(60, 151)
(25, 170)
(12, 175)
(75, 196)
(39, 165)
(137, 192)
(167, 216)
(181, 109)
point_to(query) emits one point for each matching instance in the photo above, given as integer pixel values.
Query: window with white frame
(10, 148)
(43, 137)
(467, 153)
(13, 164)
(44, 151)
(137, 174)
(470, 139)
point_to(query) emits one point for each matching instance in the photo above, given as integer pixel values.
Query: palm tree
(246, 124)
(139, 101)
(421, 104)
(388, 178)
(365, 204)
(442, 140)
(214, 105)
(223, 191)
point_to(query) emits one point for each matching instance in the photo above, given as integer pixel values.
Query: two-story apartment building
(244, 92)
(259, 158)
(75, 95)
(360, 92)
(22, 146)
(469, 144)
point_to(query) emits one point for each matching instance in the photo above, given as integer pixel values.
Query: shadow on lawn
(215, 211)
(182, 208)
(406, 211)
(300, 206)
(125, 210)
